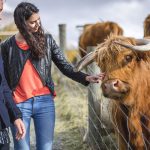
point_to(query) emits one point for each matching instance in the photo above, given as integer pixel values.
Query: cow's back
(94, 34)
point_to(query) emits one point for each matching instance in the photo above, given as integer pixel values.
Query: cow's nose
(115, 88)
(112, 84)
(115, 83)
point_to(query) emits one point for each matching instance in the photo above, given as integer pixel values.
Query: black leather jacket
(14, 60)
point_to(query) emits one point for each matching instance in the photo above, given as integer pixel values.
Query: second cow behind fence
(127, 84)
(147, 26)
(94, 34)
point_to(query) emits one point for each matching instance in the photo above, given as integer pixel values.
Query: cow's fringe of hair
(106, 49)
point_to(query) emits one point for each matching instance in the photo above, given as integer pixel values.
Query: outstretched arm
(67, 69)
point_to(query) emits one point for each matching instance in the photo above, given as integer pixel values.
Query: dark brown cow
(147, 26)
(94, 34)
(127, 83)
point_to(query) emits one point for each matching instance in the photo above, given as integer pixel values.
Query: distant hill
(7, 18)
(9, 27)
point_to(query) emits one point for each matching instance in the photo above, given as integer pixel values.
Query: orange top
(30, 84)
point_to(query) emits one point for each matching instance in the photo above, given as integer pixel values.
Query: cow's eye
(128, 58)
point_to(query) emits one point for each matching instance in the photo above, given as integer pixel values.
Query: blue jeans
(42, 110)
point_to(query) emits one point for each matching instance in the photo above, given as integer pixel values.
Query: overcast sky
(129, 14)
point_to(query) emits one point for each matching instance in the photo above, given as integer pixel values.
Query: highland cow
(126, 63)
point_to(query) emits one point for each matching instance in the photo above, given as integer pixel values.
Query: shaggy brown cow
(94, 34)
(127, 83)
(147, 26)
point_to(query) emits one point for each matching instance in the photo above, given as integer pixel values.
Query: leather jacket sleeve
(63, 65)
(13, 110)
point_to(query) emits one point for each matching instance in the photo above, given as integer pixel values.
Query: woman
(27, 60)
(8, 110)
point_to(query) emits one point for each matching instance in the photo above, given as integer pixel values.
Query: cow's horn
(86, 60)
(142, 45)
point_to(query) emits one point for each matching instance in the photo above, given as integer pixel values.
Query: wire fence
(103, 130)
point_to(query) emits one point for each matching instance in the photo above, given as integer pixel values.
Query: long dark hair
(36, 41)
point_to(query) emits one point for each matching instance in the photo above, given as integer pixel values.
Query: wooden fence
(99, 121)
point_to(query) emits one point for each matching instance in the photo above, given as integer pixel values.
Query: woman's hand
(21, 131)
(95, 78)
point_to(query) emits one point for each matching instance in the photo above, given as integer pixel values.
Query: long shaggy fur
(131, 115)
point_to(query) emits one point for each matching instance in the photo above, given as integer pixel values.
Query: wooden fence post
(62, 36)
(62, 41)
(98, 117)
(94, 108)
